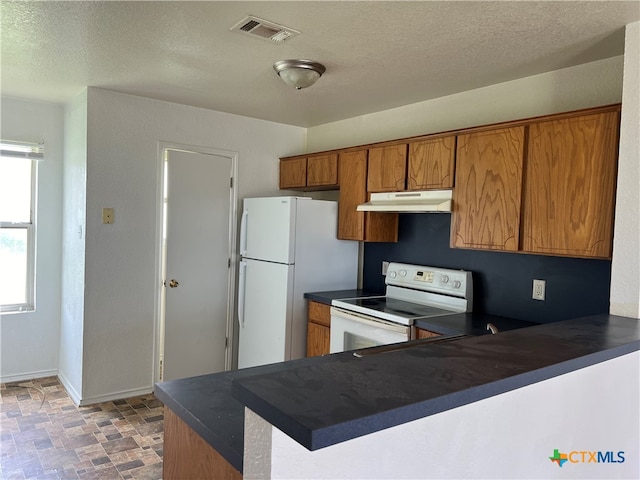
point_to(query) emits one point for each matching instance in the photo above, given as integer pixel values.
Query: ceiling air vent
(262, 28)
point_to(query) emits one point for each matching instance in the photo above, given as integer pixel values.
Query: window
(18, 173)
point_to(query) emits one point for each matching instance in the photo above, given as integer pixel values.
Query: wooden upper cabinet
(431, 163)
(322, 171)
(354, 225)
(387, 168)
(293, 173)
(316, 172)
(353, 175)
(569, 193)
(487, 197)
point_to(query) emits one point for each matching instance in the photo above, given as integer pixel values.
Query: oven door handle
(367, 320)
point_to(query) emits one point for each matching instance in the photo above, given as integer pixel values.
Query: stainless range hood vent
(426, 201)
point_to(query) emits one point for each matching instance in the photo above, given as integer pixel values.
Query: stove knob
(392, 274)
(457, 284)
(403, 273)
(444, 279)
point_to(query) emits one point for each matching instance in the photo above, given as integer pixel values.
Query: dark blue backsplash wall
(503, 282)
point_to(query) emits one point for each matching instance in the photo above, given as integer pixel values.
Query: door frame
(158, 343)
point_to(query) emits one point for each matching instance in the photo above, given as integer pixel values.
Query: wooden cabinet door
(319, 313)
(318, 328)
(431, 163)
(293, 173)
(387, 169)
(318, 338)
(569, 193)
(354, 225)
(322, 171)
(352, 168)
(188, 455)
(486, 201)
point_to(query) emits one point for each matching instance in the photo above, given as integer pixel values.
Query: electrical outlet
(538, 289)
(385, 267)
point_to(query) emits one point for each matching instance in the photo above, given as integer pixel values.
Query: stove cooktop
(415, 291)
(391, 309)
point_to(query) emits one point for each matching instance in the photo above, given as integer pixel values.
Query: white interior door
(198, 224)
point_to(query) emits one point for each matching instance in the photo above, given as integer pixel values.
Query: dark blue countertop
(339, 398)
(322, 401)
(326, 297)
(470, 324)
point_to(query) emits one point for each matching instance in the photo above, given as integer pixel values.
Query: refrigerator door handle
(243, 232)
(241, 292)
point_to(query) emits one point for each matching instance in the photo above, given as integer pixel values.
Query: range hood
(426, 201)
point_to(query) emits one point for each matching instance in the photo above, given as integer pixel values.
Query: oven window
(356, 342)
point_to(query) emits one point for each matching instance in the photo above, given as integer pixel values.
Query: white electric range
(412, 292)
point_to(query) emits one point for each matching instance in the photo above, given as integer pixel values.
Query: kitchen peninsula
(338, 405)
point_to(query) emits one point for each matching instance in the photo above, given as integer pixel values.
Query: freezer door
(264, 313)
(267, 230)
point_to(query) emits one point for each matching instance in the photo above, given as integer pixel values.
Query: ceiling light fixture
(299, 73)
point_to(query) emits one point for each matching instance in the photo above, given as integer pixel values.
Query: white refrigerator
(288, 247)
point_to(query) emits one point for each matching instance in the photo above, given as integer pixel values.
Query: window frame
(30, 283)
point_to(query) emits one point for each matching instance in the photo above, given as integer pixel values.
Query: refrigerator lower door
(264, 312)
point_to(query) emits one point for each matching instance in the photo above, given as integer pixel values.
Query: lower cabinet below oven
(318, 328)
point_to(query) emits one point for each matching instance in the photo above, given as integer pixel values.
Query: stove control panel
(430, 279)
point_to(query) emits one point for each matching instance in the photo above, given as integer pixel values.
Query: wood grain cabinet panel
(188, 455)
(354, 225)
(420, 333)
(431, 163)
(322, 171)
(487, 197)
(387, 168)
(318, 339)
(318, 328)
(319, 313)
(352, 168)
(570, 183)
(293, 173)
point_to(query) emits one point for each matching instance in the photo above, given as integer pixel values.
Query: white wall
(123, 133)
(508, 436)
(73, 249)
(589, 85)
(28, 340)
(625, 268)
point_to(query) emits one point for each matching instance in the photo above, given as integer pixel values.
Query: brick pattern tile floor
(44, 435)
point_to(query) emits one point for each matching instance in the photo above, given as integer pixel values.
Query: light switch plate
(107, 215)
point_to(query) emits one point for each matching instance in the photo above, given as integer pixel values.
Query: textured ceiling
(378, 55)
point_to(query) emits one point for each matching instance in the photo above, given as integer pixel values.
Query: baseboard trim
(116, 396)
(28, 376)
(75, 396)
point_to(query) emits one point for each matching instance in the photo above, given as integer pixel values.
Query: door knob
(173, 283)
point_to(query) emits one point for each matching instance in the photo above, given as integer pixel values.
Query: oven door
(353, 331)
